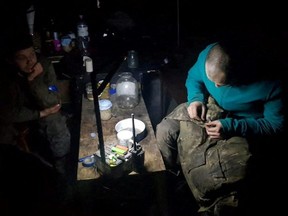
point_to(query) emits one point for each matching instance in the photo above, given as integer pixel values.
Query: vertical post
(89, 69)
(137, 152)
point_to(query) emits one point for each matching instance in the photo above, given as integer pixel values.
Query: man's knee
(167, 128)
(162, 130)
(166, 134)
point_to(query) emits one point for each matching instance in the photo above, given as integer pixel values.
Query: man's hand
(213, 129)
(197, 111)
(35, 71)
(50, 110)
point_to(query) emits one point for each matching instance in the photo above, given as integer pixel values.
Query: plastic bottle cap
(112, 91)
(105, 104)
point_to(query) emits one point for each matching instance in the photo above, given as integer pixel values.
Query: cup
(125, 138)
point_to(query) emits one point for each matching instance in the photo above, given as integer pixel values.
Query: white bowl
(126, 124)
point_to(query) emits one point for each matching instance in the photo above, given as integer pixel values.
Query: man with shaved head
(233, 104)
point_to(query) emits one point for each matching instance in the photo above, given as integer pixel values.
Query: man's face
(25, 59)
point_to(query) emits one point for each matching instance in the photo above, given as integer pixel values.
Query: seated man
(215, 152)
(29, 96)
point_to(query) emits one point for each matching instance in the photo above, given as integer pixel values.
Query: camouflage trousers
(54, 132)
(213, 169)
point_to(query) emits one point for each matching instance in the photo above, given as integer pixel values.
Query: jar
(103, 95)
(89, 91)
(127, 91)
(105, 109)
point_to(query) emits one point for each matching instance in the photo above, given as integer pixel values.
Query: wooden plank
(89, 145)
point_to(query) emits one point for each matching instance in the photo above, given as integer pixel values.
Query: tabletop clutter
(126, 154)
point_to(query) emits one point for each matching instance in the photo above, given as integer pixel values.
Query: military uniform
(25, 102)
(213, 169)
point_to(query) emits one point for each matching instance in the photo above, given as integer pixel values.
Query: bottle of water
(83, 36)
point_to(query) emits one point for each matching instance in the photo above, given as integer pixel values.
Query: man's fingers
(56, 108)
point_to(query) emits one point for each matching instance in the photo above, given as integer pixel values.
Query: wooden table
(88, 145)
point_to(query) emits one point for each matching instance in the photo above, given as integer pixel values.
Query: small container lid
(112, 91)
(105, 104)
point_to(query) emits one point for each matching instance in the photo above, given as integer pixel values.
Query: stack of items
(115, 154)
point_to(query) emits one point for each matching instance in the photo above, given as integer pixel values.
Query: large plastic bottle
(83, 36)
(127, 92)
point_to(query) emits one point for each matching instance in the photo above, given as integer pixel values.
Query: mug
(125, 138)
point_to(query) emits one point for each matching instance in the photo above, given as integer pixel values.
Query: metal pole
(97, 115)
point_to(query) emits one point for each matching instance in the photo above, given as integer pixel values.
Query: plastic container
(105, 109)
(127, 92)
(112, 93)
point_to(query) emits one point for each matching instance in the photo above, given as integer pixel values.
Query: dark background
(158, 29)
(169, 22)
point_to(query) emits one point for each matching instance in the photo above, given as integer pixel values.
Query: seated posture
(233, 109)
(30, 98)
